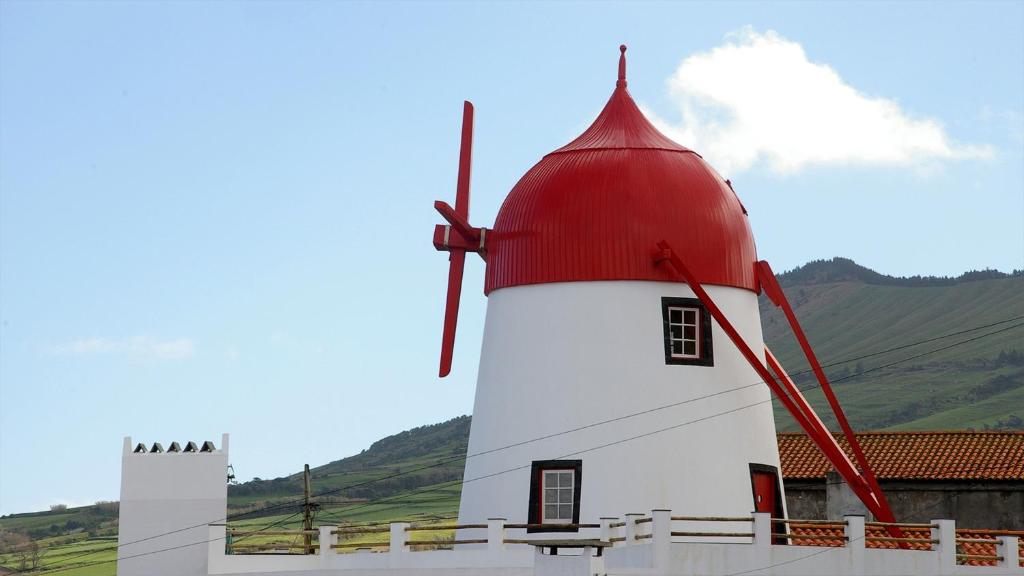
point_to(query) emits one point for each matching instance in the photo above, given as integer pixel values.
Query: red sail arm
(451, 310)
(457, 239)
(465, 162)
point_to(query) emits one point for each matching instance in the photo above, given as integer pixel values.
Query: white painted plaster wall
(169, 492)
(658, 555)
(561, 356)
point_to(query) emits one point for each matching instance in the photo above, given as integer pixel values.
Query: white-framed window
(555, 487)
(687, 328)
(558, 489)
(684, 332)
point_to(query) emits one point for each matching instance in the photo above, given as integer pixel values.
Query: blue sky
(216, 217)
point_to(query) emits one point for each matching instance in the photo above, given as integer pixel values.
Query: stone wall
(988, 505)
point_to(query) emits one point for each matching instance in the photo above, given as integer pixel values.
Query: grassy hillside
(847, 311)
(354, 488)
(410, 457)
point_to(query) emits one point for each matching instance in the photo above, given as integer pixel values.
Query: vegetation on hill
(849, 311)
(853, 316)
(428, 455)
(845, 270)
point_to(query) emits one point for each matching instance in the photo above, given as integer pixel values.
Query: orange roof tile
(915, 455)
(872, 532)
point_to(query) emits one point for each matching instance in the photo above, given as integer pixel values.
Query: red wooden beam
(806, 407)
(825, 442)
(451, 310)
(448, 238)
(465, 161)
(457, 238)
(771, 287)
(458, 221)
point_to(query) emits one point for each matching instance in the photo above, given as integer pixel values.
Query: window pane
(565, 511)
(677, 346)
(690, 316)
(551, 512)
(675, 315)
(551, 496)
(551, 479)
(675, 331)
(690, 348)
(690, 332)
(565, 479)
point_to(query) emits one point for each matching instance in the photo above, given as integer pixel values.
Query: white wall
(560, 356)
(169, 492)
(651, 551)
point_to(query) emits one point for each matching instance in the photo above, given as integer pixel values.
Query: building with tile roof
(976, 478)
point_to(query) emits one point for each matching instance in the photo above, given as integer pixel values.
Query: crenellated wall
(168, 499)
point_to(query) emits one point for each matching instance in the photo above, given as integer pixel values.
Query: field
(903, 354)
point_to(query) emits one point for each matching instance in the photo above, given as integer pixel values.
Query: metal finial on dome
(622, 67)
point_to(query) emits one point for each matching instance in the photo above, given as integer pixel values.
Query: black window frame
(536, 494)
(707, 353)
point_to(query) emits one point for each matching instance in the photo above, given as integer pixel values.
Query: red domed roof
(596, 208)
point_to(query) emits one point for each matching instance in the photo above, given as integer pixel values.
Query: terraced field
(964, 377)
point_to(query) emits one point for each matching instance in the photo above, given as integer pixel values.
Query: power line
(682, 402)
(675, 426)
(461, 482)
(616, 419)
(151, 552)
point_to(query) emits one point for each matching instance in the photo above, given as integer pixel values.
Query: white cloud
(757, 98)
(137, 347)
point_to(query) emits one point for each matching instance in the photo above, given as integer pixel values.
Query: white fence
(654, 544)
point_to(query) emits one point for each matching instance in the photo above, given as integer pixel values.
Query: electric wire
(675, 404)
(679, 425)
(101, 562)
(465, 457)
(464, 481)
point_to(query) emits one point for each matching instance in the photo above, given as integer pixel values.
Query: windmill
(612, 265)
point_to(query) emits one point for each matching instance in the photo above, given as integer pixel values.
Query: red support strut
(788, 394)
(771, 287)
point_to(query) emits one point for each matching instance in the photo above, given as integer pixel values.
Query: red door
(766, 492)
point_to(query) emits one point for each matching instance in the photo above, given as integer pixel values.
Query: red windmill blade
(457, 237)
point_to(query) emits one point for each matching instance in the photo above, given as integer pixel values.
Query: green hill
(848, 312)
(425, 456)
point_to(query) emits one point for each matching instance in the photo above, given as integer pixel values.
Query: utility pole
(307, 514)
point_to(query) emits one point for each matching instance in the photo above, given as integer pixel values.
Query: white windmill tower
(622, 279)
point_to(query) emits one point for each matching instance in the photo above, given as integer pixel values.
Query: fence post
(496, 534)
(854, 532)
(327, 541)
(631, 527)
(607, 532)
(855, 541)
(762, 528)
(661, 536)
(1008, 549)
(399, 538)
(946, 548)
